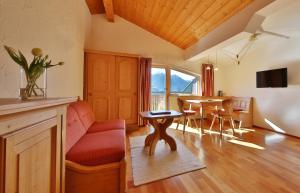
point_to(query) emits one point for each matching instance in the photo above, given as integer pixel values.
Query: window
(158, 80)
(167, 83)
(183, 83)
(158, 88)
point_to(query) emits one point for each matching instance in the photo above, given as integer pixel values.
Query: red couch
(95, 152)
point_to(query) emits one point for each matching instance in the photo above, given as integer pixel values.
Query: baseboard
(263, 128)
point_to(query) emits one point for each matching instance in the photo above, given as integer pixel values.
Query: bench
(95, 152)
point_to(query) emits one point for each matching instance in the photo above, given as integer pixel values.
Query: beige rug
(163, 164)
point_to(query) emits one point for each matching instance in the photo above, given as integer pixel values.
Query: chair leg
(232, 124)
(189, 122)
(184, 123)
(178, 123)
(220, 125)
(223, 121)
(212, 123)
(240, 124)
(196, 124)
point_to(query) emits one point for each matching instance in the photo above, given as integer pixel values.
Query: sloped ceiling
(181, 22)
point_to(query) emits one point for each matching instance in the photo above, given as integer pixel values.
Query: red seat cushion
(84, 112)
(99, 148)
(107, 125)
(75, 129)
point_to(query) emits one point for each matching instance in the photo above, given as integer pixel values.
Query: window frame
(168, 69)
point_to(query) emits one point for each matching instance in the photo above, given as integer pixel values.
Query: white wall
(281, 106)
(58, 27)
(123, 36)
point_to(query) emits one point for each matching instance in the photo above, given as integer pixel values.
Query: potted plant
(32, 71)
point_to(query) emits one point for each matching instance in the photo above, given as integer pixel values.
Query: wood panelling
(111, 53)
(181, 22)
(233, 168)
(101, 85)
(32, 141)
(103, 112)
(31, 156)
(126, 88)
(125, 107)
(112, 86)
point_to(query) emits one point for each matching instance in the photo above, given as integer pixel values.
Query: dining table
(203, 103)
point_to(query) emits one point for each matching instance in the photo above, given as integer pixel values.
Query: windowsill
(183, 94)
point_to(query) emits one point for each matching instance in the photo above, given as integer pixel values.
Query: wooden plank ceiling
(181, 22)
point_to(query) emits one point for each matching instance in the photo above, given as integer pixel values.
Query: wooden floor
(257, 161)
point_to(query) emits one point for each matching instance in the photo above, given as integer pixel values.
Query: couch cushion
(99, 148)
(84, 112)
(107, 125)
(75, 129)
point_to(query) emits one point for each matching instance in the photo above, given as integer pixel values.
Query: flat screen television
(272, 78)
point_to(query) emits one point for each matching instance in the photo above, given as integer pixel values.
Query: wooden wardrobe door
(101, 85)
(126, 89)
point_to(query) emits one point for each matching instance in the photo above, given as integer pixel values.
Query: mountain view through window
(180, 82)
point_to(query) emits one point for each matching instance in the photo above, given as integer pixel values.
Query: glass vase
(33, 88)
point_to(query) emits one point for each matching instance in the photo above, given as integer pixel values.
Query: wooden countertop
(10, 105)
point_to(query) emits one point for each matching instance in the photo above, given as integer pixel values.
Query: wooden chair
(243, 111)
(224, 114)
(187, 115)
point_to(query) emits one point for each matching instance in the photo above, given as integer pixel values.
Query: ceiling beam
(109, 10)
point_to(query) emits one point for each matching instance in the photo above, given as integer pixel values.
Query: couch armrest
(111, 176)
(89, 169)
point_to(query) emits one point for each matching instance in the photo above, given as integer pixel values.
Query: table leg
(164, 135)
(202, 119)
(158, 134)
(153, 142)
(149, 139)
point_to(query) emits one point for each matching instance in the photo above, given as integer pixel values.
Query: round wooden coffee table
(160, 123)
